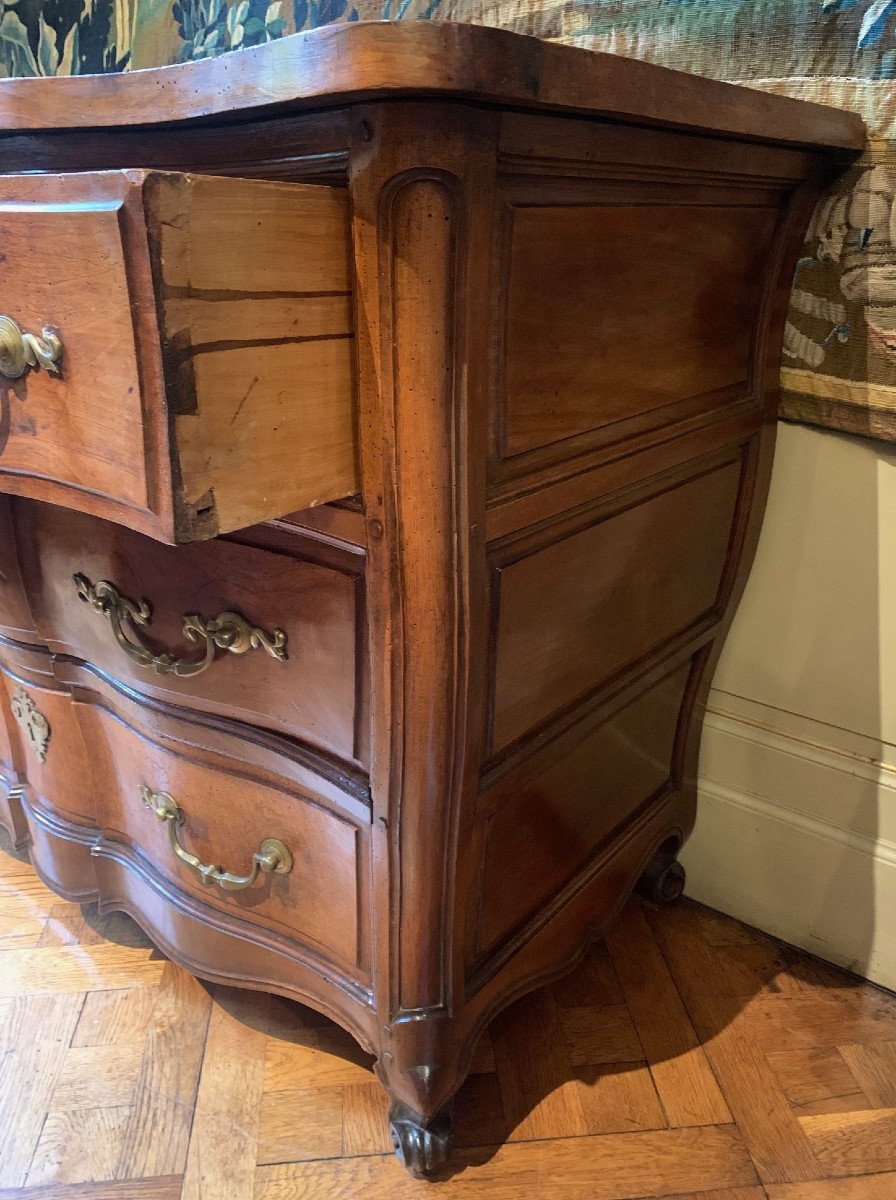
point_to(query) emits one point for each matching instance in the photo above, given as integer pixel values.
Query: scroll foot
(423, 1149)
(663, 881)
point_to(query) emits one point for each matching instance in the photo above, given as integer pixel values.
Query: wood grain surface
(125, 1079)
(610, 312)
(383, 59)
(262, 391)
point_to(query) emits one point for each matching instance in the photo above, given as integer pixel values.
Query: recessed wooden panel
(576, 611)
(550, 828)
(312, 695)
(532, 143)
(617, 310)
(225, 819)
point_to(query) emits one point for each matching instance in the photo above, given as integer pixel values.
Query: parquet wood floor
(688, 1058)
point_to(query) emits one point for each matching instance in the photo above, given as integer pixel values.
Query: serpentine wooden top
(358, 61)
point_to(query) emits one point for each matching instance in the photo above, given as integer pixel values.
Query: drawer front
(45, 745)
(305, 683)
(178, 349)
(79, 422)
(253, 852)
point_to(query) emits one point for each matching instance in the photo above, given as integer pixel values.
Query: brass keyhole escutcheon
(32, 722)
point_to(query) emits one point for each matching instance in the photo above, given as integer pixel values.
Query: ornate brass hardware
(228, 631)
(19, 351)
(271, 856)
(34, 724)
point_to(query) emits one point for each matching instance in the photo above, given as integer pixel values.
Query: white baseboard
(796, 834)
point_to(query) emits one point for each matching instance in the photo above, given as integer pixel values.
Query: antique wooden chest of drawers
(386, 419)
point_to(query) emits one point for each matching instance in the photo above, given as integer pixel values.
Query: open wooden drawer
(176, 350)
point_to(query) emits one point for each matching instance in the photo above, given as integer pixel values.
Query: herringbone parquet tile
(688, 1058)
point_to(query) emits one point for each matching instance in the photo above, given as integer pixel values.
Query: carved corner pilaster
(422, 178)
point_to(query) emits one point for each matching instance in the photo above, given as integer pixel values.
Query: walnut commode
(385, 429)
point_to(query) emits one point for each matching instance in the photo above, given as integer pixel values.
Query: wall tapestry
(840, 348)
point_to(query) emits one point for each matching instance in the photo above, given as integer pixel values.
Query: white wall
(796, 831)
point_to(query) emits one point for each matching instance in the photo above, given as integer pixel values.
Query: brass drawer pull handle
(19, 351)
(271, 856)
(228, 631)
